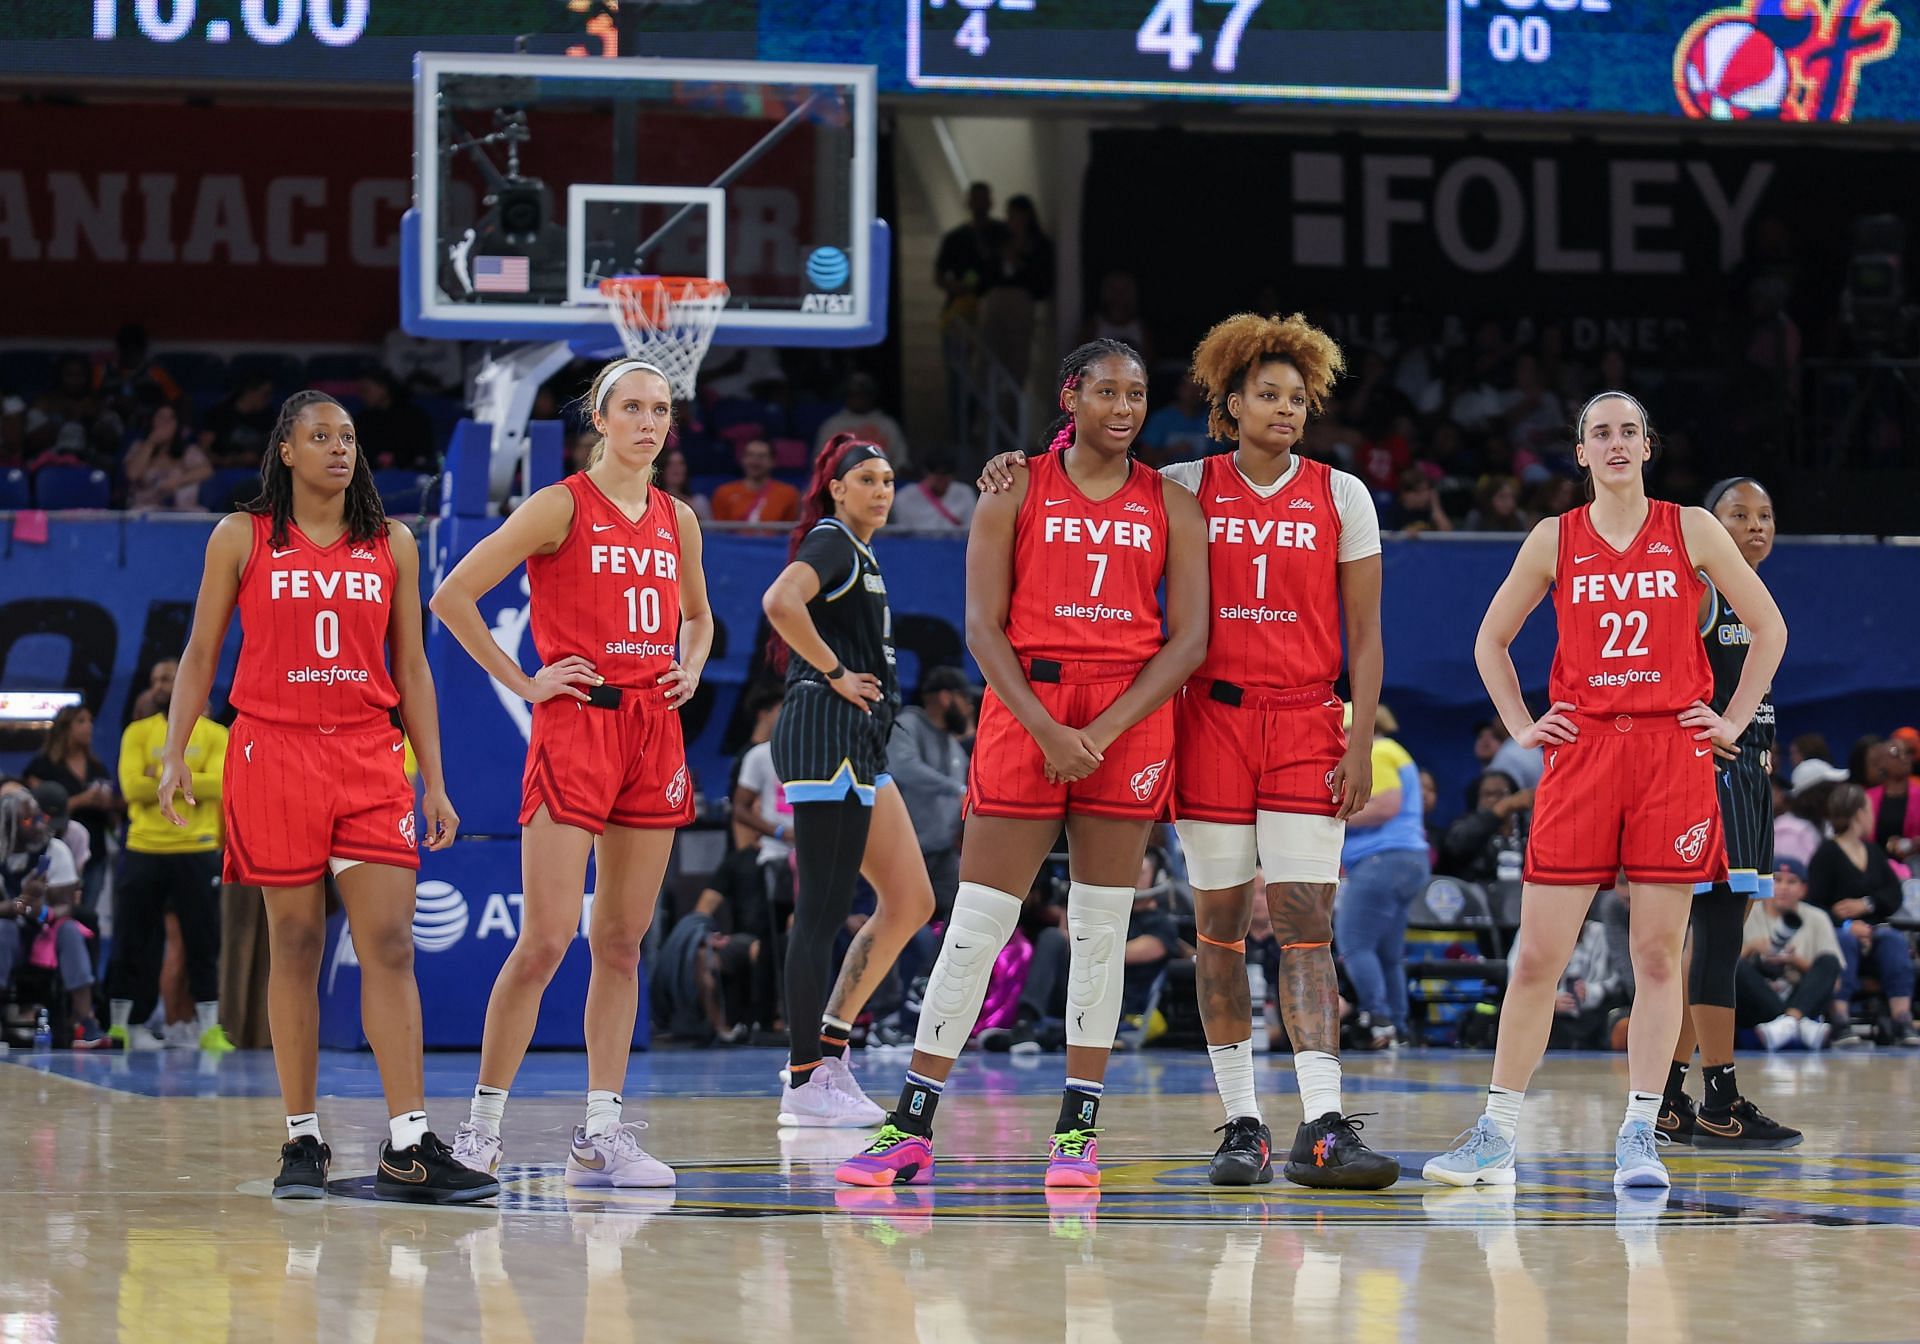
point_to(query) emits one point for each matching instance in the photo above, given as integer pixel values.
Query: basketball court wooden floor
(133, 1207)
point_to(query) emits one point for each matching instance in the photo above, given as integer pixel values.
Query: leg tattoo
(1309, 990)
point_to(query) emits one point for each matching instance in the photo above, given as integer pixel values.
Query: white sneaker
(182, 1036)
(839, 1077)
(473, 1147)
(818, 1104)
(1779, 1033)
(1814, 1033)
(615, 1159)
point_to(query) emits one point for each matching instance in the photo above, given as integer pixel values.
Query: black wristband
(839, 671)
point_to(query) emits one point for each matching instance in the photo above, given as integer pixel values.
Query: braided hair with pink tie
(1074, 368)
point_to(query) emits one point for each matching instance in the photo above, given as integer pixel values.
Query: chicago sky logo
(1784, 60)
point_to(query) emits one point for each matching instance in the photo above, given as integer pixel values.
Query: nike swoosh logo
(1224, 499)
(415, 1175)
(582, 1156)
(1234, 1046)
(603, 527)
(1707, 751)
(1052, 502)
(1582, 559)
(963, 947)
(289, 551)
(397, 746)
(1079, 937)
(1732, 1130)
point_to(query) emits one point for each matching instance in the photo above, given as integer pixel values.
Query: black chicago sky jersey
(1727, 641)
(850, 611)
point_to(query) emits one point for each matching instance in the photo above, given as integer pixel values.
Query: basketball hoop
(667, 320)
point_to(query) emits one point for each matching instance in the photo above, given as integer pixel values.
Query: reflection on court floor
(134, 1206)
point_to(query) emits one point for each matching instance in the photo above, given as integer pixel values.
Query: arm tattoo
(1309, 990)
(852, 971)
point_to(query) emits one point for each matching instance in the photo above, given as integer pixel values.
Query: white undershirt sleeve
(1359, 523)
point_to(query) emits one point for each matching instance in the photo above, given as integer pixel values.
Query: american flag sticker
(501, 275)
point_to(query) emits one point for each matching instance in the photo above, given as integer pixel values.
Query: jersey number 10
(643, 610)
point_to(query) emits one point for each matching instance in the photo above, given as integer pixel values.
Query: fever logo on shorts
(1144, 782)
(677, 787)
(1688, 846)
(406, 828)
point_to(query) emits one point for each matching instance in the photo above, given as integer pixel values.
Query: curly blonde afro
(1235, 347)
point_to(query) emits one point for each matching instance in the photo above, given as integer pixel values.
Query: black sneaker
(1742, 1125)
(1676, 1118)
(428, 1173)
(1328, 1155)
(1246, 1154)
(303, 1169)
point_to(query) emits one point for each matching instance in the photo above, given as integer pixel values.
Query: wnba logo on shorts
(1144, 782)
(406, 828)
(677, 787)
(1688, 846)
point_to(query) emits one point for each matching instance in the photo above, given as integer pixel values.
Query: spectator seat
(15, 492)
(72, 488)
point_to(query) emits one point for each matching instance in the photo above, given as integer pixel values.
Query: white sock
(488, 1109)
(1503, 1108)
(206, 1016)
(1233, 1075)
(407, 1128)
(1641, 1106)
(603, 1113)
(1318, 1074)
(307, 1125)
(120, 1013)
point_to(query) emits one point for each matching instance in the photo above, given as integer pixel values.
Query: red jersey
(1086, 573)
(611, 593)
(313, 622)
(1274, 565)
(1629, 620)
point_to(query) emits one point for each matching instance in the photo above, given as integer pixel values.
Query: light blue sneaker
(1636, 1158)
(1479, 1157)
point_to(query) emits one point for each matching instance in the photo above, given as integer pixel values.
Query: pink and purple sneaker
(895, 1157)
(1073, 1160)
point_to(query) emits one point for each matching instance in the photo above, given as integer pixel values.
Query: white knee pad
(1219, 856)
(983, 920)
(1299, 848)
(1097, 921)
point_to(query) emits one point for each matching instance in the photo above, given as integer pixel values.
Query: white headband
(1580, 423)
(621, 370)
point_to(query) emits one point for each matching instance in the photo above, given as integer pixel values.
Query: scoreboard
(1746, 60)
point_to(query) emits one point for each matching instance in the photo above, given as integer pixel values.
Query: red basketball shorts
(294, 798)
(1273, 752)
(1007, 777)
(1634, 794)
(595, 768)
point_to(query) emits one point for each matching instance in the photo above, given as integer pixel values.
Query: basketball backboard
(537, 177)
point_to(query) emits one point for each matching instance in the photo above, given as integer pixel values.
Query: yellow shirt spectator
(147, 831)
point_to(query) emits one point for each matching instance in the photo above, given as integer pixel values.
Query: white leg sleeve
(1097, 921)
(1296, 847)
(1220, 857)
(983, 920)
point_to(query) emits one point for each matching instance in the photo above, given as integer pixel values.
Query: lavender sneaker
(615, 1159)
(819, 1104)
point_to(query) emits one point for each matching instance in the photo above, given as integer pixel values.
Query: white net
(667, 321)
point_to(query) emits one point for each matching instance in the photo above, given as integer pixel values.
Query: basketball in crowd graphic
(1734, 71)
